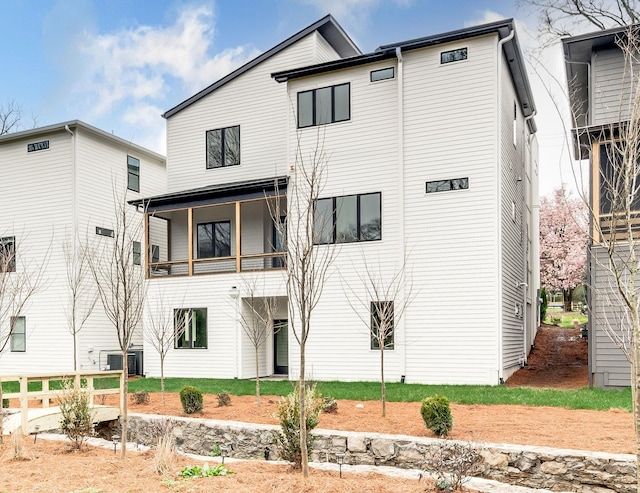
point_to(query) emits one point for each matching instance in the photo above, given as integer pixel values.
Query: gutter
(499, 198)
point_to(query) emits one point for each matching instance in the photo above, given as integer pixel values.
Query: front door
(280, 347)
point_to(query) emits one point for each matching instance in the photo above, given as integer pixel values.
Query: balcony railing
(219, 265)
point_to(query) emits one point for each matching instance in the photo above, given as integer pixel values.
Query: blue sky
(119, 64)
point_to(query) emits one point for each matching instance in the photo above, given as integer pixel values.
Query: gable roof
(503, 28)
(328, 27)
(71, 124)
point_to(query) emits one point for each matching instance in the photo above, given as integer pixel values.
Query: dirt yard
(558, 360)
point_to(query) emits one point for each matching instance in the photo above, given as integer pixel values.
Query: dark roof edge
(326, 20)
(60, 127)
(226, 188)
(285, 75)
(595, 34)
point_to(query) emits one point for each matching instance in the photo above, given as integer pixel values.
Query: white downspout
(526, 286)
(403, 242)
(499, 196)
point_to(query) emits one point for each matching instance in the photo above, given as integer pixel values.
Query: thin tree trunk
(257, 377)
(75, 351)
(162, 380)
(383, 393)
(125, 416)
(303, 415)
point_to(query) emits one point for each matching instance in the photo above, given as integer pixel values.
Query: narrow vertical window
(7, 254)
(137, 250)
(515, 125)
(18, 334)
(133, 174)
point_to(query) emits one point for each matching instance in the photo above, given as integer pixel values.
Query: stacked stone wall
(533, 467)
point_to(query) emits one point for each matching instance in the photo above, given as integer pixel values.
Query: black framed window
(382, 74)
(214, 239)
(453, 55)
(382, 324)
(223, 147)
(137, 251)
(446, 185)
(8, 254)
(18, 334)
(325, 105)
(348, 219)
(190, 328)
(133, 174)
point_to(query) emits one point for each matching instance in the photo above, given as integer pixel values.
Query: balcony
(215, 230)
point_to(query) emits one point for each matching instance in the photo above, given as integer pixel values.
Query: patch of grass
(565, 318)
(585, 398)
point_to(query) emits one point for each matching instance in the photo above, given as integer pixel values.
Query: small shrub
(436, 414)
(451, 465)
(544, 303)
(191, 399)
(329, 405)
(215, 451)
(77, 420)
(556, 320)
(140, 397)
(224, 399)
(288, 415)
(205, 471)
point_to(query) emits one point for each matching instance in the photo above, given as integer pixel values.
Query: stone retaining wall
(533, 467)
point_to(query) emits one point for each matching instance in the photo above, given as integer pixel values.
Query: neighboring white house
(431, 150)
(600, 95)
(58, 186)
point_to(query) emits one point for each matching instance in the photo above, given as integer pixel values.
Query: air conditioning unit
(114, 361)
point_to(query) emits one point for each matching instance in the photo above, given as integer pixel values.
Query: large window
(214, 239)
(133, 174)
(326, 105)
(190, 328)
(348, 219)
(8, 254)
(18, 334)
(382, 324)
(223, 147)
(613, 176)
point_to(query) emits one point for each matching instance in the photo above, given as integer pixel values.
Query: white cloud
(135, 71)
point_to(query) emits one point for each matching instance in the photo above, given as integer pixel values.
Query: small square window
(190, 328)
(133, 174)
(382, 74)
(453, 55)
(223, 147)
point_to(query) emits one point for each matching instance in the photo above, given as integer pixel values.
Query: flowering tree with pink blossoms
(563, 244)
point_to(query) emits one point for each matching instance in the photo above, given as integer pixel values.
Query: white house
(430, 155)
(601, 97)
(59, 185)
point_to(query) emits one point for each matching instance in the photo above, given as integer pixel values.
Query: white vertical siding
(450, 115)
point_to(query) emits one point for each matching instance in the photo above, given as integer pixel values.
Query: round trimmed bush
(436, 414)
(191, 399)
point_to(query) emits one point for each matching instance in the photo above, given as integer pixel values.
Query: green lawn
(585, 398)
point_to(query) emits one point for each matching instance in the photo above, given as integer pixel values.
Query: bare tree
(308, 259)
(82, 296)
(256, 320)
(121, 285)
(380, 301)
(11, 117)
(564, 17)
(20, 280)
(162, 328)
